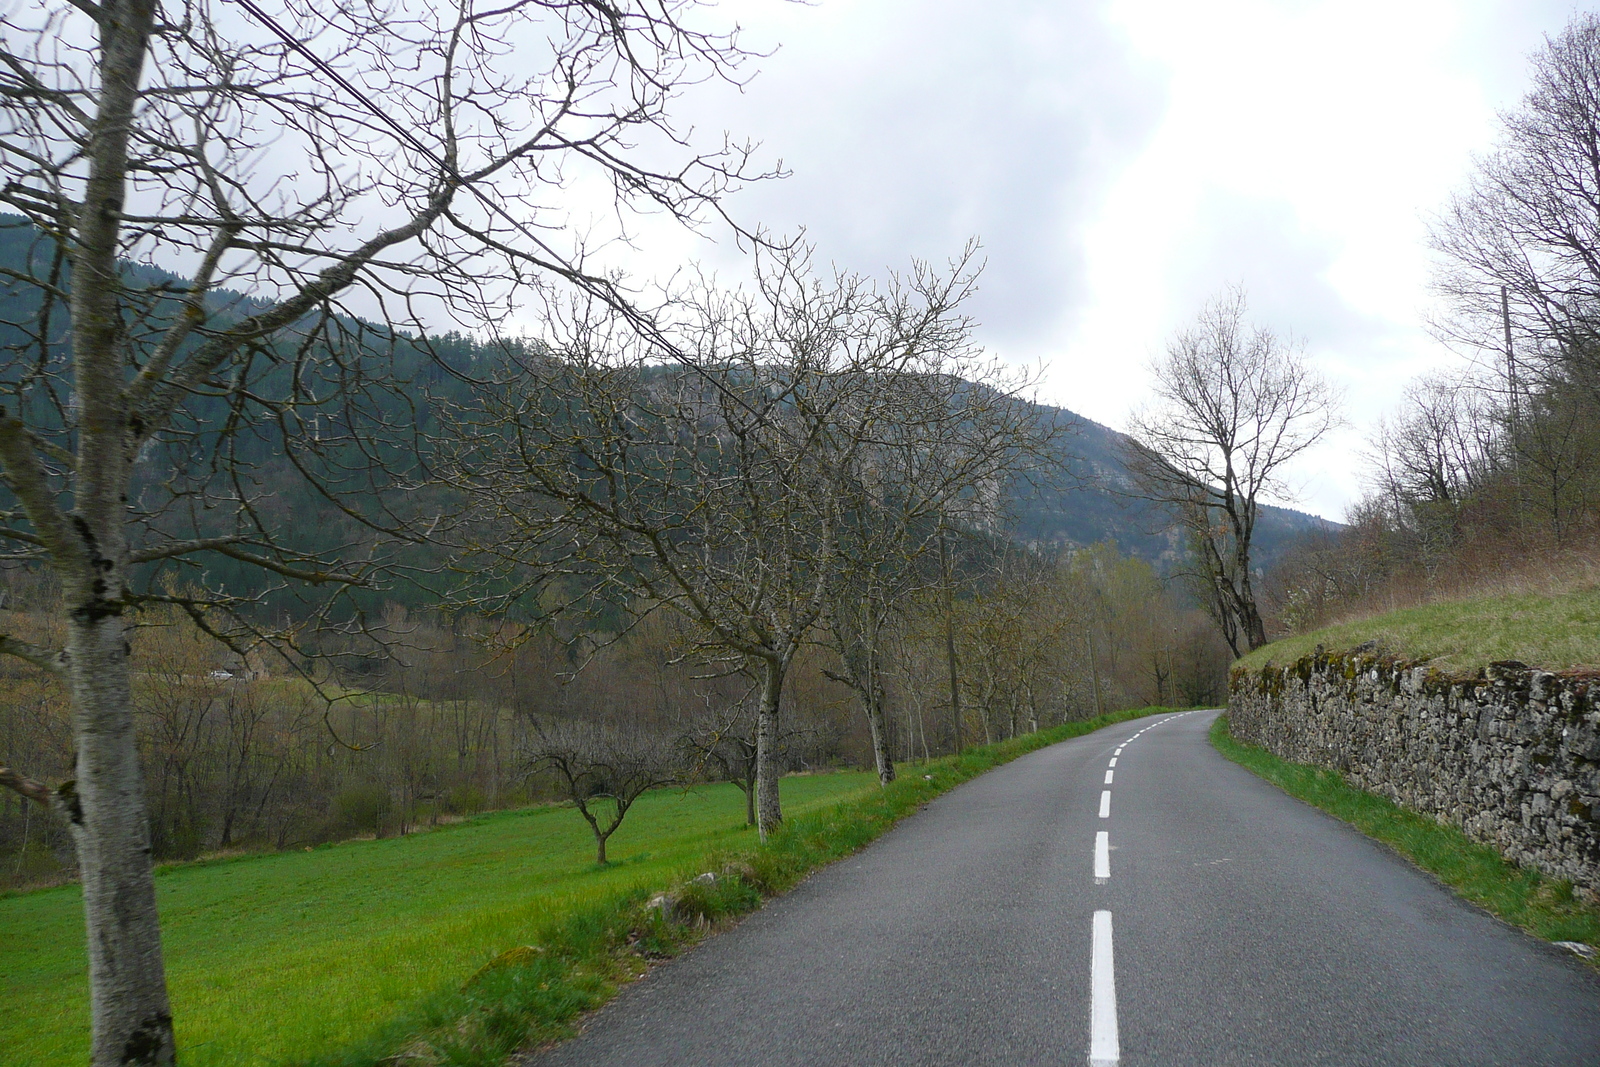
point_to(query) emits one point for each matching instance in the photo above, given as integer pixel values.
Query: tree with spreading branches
(1236, 404)
(326, 179)
(1519, 247)
(947, 441)
(603, 767)
(605, 476)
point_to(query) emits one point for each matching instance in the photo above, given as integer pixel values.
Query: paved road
(1233, 926)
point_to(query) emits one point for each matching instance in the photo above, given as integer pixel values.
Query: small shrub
(34, 863)
(359, 809)
(465, 800)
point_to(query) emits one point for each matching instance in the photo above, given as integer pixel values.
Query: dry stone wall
(1511, 757)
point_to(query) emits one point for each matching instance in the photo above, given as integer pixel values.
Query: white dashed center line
(1104, 1049)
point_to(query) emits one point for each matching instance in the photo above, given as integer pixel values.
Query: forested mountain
(1091, 503)
(1095, 503)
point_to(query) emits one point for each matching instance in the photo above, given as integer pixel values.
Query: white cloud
(1122, 160)
(1302, 147)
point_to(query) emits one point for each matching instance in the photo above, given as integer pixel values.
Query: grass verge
(534, 994)
(1544, 907)
(1553, 632)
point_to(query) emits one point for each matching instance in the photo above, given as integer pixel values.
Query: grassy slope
(346, 955)
(1542, 906)
(281, 956)
(1552, 632)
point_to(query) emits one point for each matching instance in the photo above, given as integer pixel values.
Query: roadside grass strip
(458, 946)
(1553, 632)
(1542, 906)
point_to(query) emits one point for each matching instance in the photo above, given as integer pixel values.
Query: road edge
(534, 996)
(1541, 906)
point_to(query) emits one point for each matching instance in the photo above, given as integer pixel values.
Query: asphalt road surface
(1217, 921)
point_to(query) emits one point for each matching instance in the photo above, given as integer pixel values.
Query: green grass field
(1553, 632)
(289, 956)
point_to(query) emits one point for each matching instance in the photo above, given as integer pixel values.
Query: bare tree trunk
(870, 692)
(950, 647)
(1094, 671)
(110, 820)
(1254, 626)
(1250, 621)
(881, 755)
(769, 809)
(132, 1019)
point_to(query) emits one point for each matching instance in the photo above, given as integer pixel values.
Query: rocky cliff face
(1512, 757)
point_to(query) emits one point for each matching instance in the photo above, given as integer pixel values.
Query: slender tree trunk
(871, 694)
(769, 809)
(1094, 671)
(988, 711)
(950, 647)
(872, 704)
(132, 1020)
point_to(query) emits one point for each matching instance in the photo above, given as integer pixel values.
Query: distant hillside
(1102, 507)
(1099, 507)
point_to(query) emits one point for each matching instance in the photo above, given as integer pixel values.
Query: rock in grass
(1578, 948)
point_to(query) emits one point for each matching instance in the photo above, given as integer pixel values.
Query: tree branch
(52, 660)
(35, 791)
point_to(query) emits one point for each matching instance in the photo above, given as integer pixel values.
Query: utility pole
(1511, 356)
(1512, 414)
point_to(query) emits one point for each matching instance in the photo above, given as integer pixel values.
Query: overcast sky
(1122, 160)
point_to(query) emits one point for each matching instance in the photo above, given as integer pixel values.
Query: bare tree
(603, 761)
(1553, 444)
(1442, 445)
(1521, 244)
(1520, 274)
(1431, 456)
(394, 156)
(721, 743)
(1236, 403)
(945, 435)
(722, 746)
(637, 487)
(711, 491)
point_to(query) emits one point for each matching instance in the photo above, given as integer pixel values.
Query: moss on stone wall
(1510, 754)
